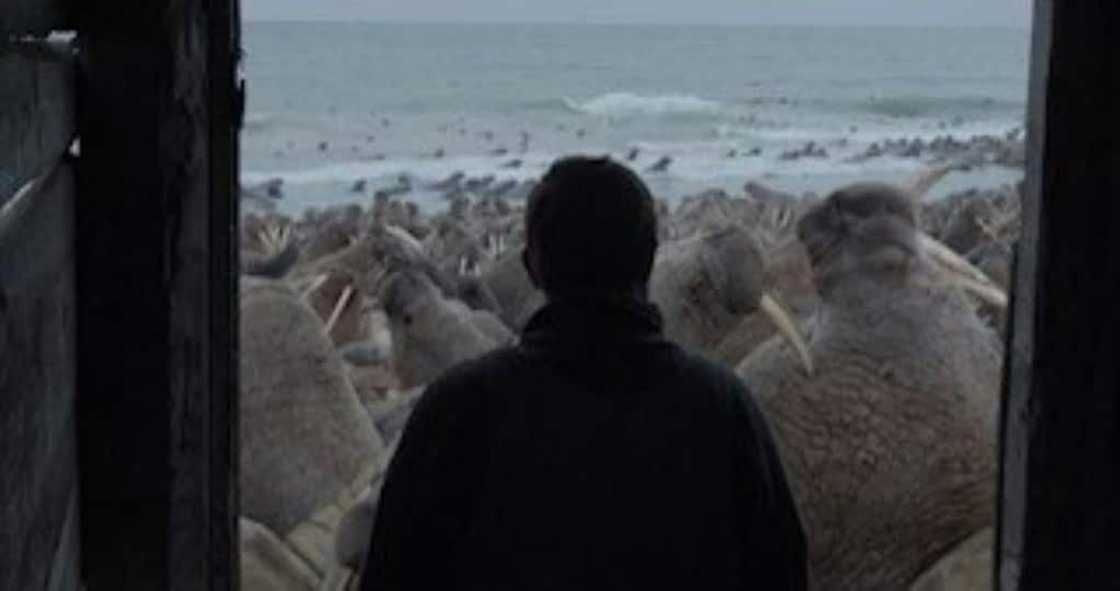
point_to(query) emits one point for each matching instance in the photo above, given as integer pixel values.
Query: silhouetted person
(595, 454)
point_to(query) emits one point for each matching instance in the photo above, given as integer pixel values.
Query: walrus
(304, 437)
(273, 255)
(513, 289)
(268, 564)
(661, 165)
(453, 247)
(326, 238)
(431, 333)
(336, 299)
(890, 444)
(788, 275)
(702, 286)
(370, 260)
(994, 259)
(501, 188)
(699, 214)
(705, 285)
(965, 228)
(352, 537)
(477, 295)
(452, 182)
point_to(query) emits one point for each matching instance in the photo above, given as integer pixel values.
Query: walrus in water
(890, 445)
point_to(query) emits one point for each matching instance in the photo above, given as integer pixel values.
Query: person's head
(591, 228)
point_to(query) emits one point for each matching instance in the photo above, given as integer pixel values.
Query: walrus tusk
(990, 294)
(491, 246)
(283, 236)
(921, 183)
(993, 228)
(315, 285)
(342, 301)
(380, 275)
(264, 236)
(275, 237)
(785, 325)
(339, 578)
(962, 272)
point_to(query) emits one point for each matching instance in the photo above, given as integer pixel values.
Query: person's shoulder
(462, 394)
(703, 370)
(479, 368)
(729, 394)
(468, 379)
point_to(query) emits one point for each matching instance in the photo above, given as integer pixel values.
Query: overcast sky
(1013, 13)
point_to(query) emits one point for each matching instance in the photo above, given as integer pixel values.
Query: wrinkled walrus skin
(304, 435)
(891, 445)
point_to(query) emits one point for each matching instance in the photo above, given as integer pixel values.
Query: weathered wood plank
(226, 101)
(158, 397)
(37, 118)
(38, 454)
(1060, 481)
(35, 16)
(66, 566)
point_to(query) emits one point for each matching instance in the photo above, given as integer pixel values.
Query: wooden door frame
(157, 314)
(157, 289)
(1059, 501)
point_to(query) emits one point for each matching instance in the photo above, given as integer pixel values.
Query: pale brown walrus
(431, 333)
(705, 285)
(304, 437)
(890, 445)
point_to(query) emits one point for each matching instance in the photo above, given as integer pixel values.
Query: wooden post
(1060, 479)
(156, 313)
(39, 518)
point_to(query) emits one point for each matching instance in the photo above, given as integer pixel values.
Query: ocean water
(332, 103)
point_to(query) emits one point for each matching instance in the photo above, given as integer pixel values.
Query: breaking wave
(628, 104)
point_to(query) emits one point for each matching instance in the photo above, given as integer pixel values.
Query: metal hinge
(61, 46)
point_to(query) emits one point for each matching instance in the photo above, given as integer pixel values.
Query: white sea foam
(628, 104)
(256, 121)
(424, 170)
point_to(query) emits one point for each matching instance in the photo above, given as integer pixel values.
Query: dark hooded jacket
(593, 455)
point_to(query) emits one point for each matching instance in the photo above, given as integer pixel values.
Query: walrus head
(869, 231)
(404, 292)
(866, 228)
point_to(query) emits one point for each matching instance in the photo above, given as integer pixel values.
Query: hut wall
(39, 541)
(1060, 482)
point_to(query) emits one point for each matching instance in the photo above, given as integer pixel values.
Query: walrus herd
(867, 323)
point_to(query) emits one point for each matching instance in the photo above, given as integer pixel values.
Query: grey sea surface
(333, 103)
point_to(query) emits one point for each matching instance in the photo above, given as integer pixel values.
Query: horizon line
(807, 25)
